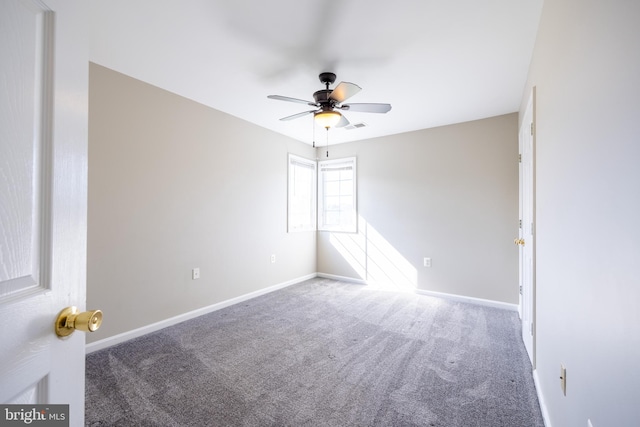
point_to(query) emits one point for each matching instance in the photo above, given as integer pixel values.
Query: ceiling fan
(327, 101)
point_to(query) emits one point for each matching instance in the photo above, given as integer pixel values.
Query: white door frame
(527, 309)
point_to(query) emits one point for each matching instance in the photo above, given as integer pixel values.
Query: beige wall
(586, 69)
(175, 185)
(448, 193)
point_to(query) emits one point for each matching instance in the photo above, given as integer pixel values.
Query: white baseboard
(543, 405)
(471, 300)
(341, 278)
(135, 333)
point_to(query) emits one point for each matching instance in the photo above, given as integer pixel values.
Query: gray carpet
(321, 353)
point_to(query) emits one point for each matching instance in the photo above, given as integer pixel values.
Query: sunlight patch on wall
(351, 247)
(374, 259)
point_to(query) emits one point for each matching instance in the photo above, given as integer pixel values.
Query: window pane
(337, 195)
(346, 174)
(332, 203)
(346, 188)
(346, 204)
(332, 188)
(332, 218)
(331, 175)
(301, 194)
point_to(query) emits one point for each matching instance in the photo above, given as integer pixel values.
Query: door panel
(23, 136)
(43, 181)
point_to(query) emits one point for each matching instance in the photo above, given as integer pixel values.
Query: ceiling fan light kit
(327, 119)
(327, 101)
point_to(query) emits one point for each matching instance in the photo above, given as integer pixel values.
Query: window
(301, 194)
(337, 195)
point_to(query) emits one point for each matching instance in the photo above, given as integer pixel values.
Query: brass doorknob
(70, 320)
(519, 241)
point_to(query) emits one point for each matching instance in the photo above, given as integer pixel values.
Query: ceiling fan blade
(344, 91)
(295, 116)
(343, 122)
(286, 98)
(367, 108)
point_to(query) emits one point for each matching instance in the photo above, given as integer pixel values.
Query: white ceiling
(437, 62)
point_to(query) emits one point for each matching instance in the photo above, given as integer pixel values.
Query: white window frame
(348, 218)
(297, 163)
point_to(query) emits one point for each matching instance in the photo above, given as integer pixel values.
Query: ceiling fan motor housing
(322, 97)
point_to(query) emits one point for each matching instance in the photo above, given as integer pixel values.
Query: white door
(43, 198)
(526, 235)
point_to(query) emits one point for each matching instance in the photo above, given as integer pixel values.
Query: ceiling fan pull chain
(313, 130)
(327, 142)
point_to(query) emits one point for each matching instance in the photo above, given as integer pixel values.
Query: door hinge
(531, 128)
(520, 289)
(520, 223)
(532, 228)
(531, 329)
(519, 158)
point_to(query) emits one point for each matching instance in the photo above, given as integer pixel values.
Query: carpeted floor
(321, 353)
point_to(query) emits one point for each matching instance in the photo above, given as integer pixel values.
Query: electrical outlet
(273, 259)
(195, 274)
(563, 379)
(427, 262)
